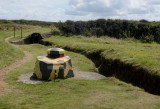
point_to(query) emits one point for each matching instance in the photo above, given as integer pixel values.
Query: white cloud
(46, 10)
(56, 10)
(121, 9)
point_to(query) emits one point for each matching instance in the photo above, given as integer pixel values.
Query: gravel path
(3, 85)
(79, 75)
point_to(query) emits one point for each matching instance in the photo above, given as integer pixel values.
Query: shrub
(147, 39)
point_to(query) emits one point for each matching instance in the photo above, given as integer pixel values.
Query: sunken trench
(126, 72)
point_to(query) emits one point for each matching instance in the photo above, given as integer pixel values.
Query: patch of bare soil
(4, 87)
(27, 79)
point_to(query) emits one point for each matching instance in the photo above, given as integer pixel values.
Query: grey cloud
(98, 7)
(154, 2)
(137, 11)
(75, 13)
(55, 10)
(114, 8)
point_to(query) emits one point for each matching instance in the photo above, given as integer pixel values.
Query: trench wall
(126, 72)
(136, 75)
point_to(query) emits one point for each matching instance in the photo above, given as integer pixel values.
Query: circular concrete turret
(54, 65)
(55, 52)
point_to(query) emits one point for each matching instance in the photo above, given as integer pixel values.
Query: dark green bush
(147, 39)
(143, 29)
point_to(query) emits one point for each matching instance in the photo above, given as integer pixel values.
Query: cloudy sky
(62, 10)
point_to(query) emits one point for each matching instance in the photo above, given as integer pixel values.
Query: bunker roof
(55, 51)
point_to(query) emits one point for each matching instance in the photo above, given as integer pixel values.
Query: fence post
(14, 32)
(21, 32)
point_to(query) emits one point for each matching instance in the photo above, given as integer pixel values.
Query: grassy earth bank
(73, 94)
(130, 61)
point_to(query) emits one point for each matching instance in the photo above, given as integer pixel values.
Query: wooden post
(21, 32)
(14, 32)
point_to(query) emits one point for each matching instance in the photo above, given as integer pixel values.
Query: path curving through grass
(70, 93)
(4, 87)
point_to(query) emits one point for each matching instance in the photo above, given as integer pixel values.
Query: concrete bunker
(31, 39)
(54, 65)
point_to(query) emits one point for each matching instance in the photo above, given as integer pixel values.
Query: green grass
(76, 94)
(26, 32)
(73, 94)
(128, 51)
(82, 62)
(10, 54)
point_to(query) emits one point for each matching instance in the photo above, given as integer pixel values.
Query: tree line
(27, 22)
(143, 29)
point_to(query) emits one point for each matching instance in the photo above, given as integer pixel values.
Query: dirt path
(4, 87)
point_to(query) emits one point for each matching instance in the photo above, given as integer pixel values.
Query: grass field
(10, 54)
(129, 50)
(73, 94)
(129, 60)
(36, 29)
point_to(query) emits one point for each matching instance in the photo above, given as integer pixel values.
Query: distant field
(73, 94)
